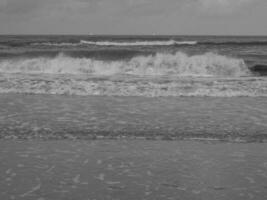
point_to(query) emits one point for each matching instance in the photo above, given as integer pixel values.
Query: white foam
(129, 86)
(179, 64)
(139, 43)
(109, 43)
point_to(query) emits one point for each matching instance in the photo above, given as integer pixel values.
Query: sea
(69, 86)
(134, 65)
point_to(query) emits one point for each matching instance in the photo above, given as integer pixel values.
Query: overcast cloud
(133, 16)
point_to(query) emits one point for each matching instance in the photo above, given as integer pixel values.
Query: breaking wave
(179, 64)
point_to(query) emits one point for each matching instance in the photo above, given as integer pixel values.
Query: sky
(124, 17)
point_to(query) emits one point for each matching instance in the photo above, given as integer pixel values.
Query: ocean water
(148, 66)
(235, 119)
(167, 87)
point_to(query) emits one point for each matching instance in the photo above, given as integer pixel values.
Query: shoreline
(99, 137)
(53, 117)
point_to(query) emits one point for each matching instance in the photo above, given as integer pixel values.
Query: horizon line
(83, 34)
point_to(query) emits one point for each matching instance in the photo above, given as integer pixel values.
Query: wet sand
(132, 169)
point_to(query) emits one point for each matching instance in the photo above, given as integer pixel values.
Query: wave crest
(139, 43)
(179, 64)
(110, 43)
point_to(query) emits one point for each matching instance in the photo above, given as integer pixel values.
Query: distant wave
(139, 43)
(179, 64)
(170, 42)
(113, 43)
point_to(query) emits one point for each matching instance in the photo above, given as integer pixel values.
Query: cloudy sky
(224, 17)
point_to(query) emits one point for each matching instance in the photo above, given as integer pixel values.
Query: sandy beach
(132, 169)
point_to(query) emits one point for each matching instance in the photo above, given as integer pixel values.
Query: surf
(160, 64)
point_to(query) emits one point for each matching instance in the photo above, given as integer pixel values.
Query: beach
(93, 147)
(132, 169)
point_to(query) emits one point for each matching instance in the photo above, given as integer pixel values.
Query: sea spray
(178, 64)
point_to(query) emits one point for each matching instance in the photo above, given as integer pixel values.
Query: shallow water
(145, 86)
(55, 116)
